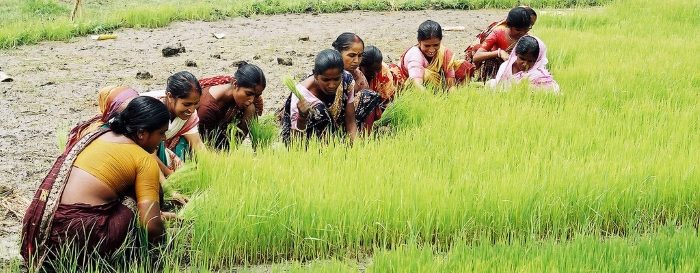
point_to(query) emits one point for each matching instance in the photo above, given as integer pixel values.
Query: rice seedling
(291, 84)
(600, 178)
(612, 156)
(263, 131)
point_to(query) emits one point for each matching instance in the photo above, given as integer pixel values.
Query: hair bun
(118, 124)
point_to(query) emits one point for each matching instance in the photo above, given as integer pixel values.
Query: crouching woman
(327, 106)
(94, 191)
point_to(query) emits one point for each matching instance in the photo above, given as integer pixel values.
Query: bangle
(498, 52)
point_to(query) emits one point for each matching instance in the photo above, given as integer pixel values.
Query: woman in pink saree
(527, 62)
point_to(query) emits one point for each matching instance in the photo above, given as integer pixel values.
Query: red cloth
(498, 39)
(102, 228)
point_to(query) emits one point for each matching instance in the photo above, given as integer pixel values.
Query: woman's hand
(503, 55)
(304, 109)
(168, 216)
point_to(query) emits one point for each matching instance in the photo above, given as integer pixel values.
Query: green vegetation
(31, 21)
(615, 155)
(667, 251)
(603, 177)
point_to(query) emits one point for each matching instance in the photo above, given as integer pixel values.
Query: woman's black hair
(371, 56)
(519, 17)
(530, 11)
(328, 59)
(142, 113)
(249, 76)
(428, 30)
(528, 45)
(181, 84)
(345, 41)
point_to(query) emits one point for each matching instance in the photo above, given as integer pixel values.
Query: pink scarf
(538, 76)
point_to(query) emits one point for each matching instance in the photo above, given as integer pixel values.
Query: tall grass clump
(613, 155)
(263, 131)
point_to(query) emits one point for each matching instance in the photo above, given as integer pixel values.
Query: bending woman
(497, 46)
(385, 79)
(465, 69)
(226, 99)
(181, 96)
(527, 62)
(327, 107)
(111, 99)
(429, 63)
(90, 196)
(351, 48)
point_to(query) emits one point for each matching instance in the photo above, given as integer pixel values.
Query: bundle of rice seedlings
(292, 86)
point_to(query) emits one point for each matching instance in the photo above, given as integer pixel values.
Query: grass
(601, 178)
(667, 251)
(31, 21)
(613, 156)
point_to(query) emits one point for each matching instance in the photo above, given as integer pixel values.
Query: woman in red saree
(226, 99)
(500, 40)
(89, 200)
(385, 79)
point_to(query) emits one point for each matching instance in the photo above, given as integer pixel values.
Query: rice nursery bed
(614, 155)
(603, 177)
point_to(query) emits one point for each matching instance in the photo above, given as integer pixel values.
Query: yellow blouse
(124, 167)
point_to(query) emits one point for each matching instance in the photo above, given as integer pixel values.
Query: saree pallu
(38, 219)
(110, 100)
(172, 152)
(435, 74)
(321, 121)
(173, 158)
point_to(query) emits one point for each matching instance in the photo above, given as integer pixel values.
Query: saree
(45, 220)
(387, 82)
(174, 149)
(325, 118)
(538, 76)
(437, 71)
(215, 117)
(111, 100)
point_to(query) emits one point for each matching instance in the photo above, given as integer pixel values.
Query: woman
(385, 79)
(464, 70)
(429, 63)
(497, 46)
(226, 99)
(111, 99)
(351, 48)
(526, 62)
(327, 106)
(89, 197)
(181, 96)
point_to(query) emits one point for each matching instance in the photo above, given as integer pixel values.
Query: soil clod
(175, 50)
(285, 61)
(190, 63)
(143, 75)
